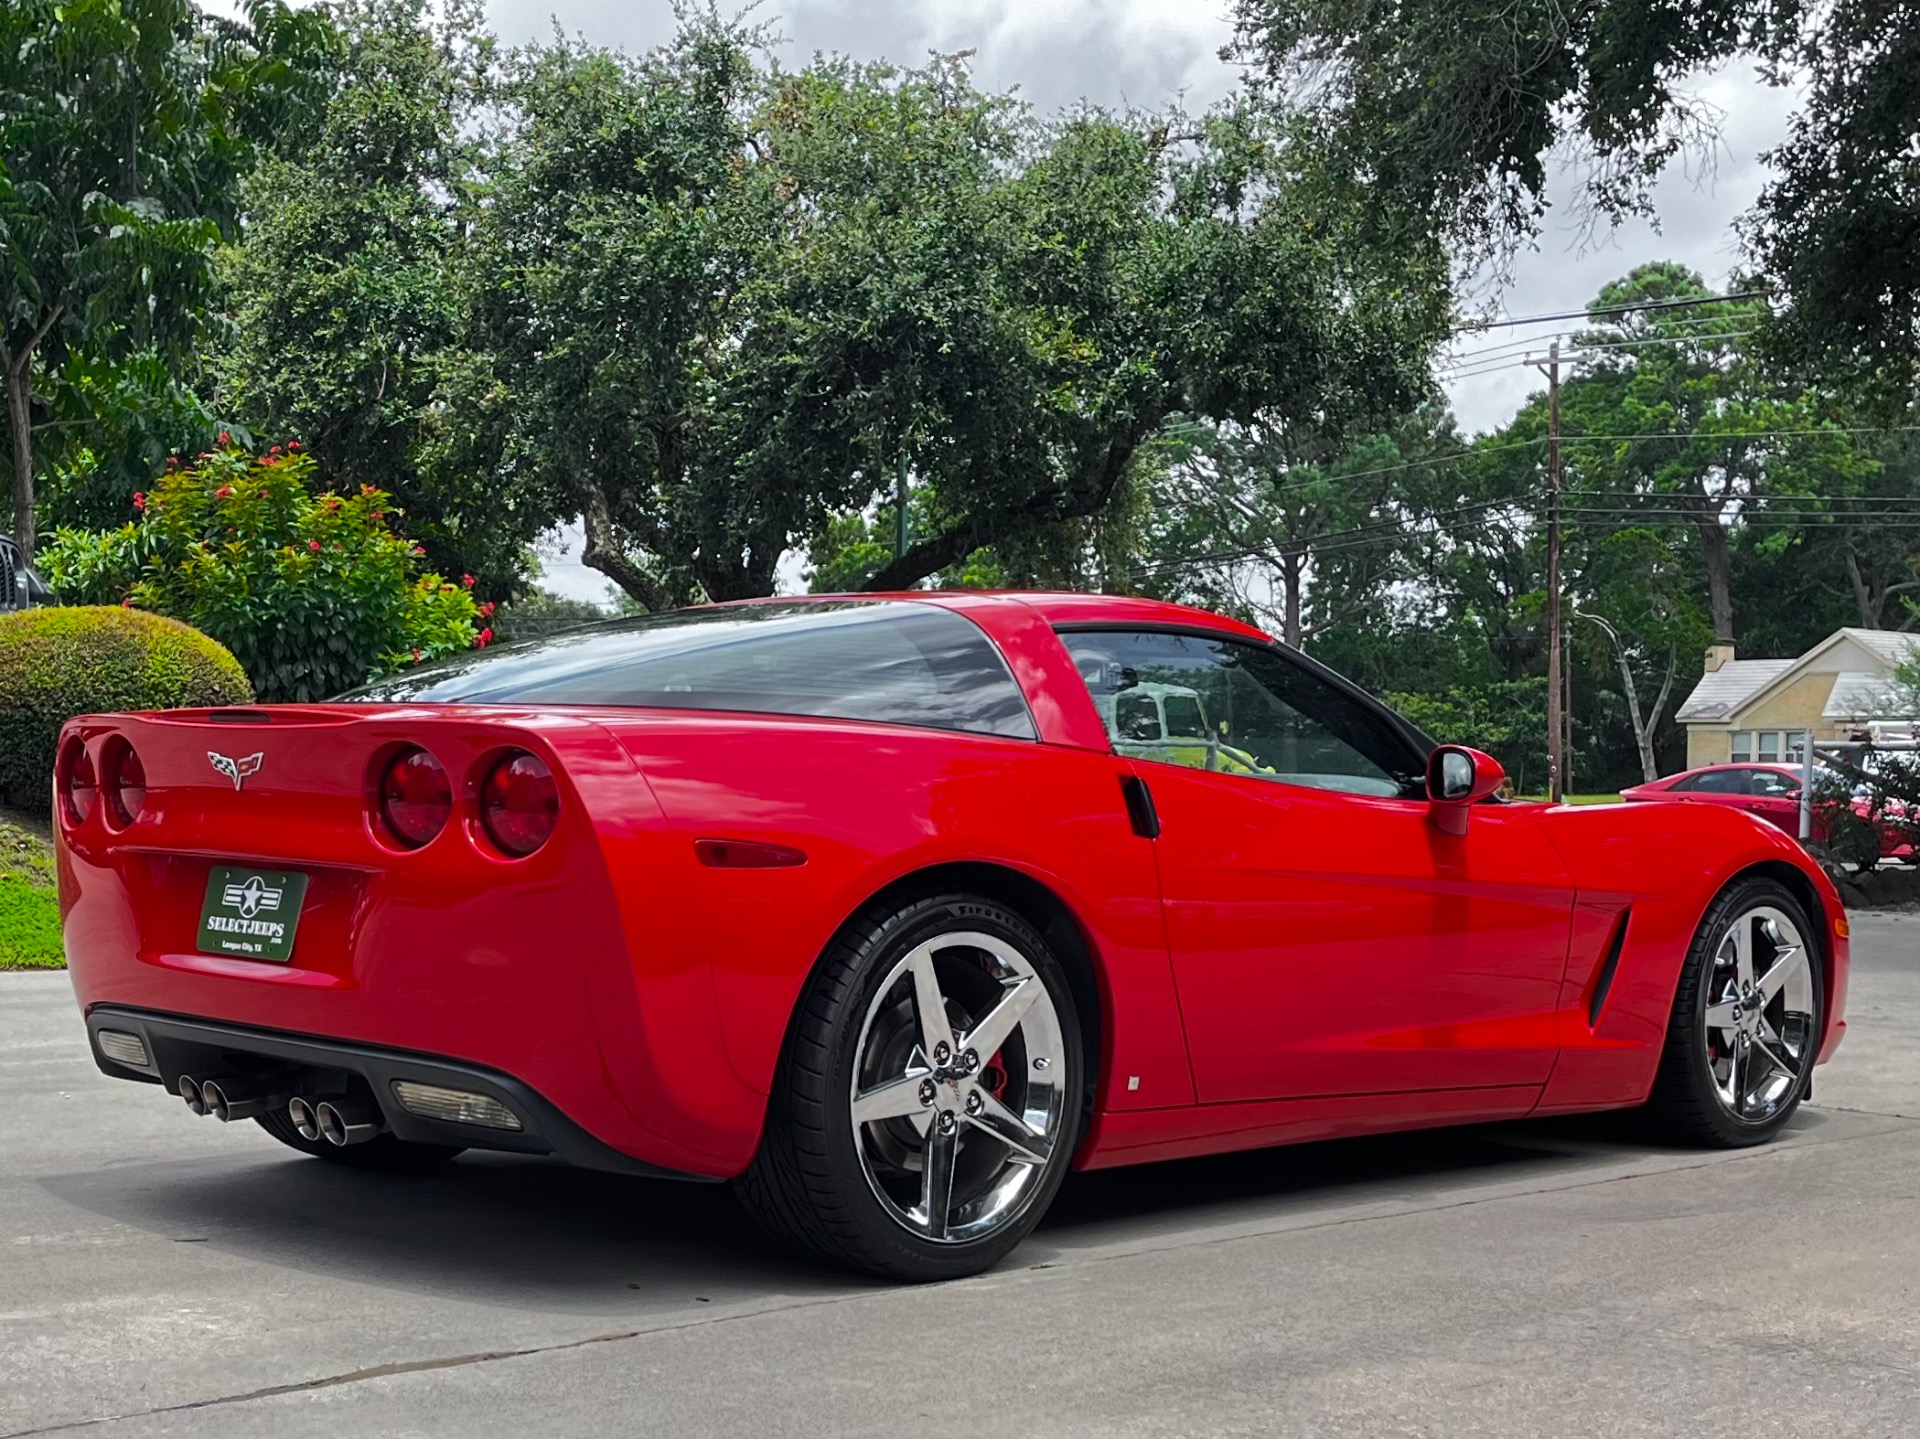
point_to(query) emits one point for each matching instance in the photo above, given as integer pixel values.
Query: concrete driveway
(165, 1275)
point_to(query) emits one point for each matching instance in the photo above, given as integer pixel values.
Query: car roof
(1064, 607)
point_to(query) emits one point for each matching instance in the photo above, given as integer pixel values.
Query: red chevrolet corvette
(891, 910)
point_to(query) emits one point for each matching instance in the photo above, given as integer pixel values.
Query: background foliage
(313, 593)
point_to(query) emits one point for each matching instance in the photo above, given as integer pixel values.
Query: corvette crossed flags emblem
(237, 770)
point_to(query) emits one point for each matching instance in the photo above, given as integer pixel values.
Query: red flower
(467, 580)
(274, 451)
(418, 551)
(127, 603)
(378, 515)
(313, 544)
(139, 500)
(416, 656)
(225, 438)
(225, 492)
(481, 640)
(486, 610)
(293, 446)
(333, 502)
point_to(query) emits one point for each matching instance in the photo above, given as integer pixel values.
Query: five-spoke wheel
(1746, 1019)
(956, 1097)
(1760, 1012)
(930, 1094)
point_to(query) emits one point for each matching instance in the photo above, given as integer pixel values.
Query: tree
(1171, 265)
(129, 124)
(346, 295)
(1641, 599)
(630, 220)
(728, 303)
(1280, 525)
(1449, 108)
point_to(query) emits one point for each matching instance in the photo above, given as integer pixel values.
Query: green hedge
(85, 659)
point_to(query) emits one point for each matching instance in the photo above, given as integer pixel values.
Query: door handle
(1140, 811)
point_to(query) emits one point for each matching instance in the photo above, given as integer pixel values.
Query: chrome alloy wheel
(958, 1097)
(1760, 1014)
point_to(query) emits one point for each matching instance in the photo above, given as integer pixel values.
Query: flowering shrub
(313, 593)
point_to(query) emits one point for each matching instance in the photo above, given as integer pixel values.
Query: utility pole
(900, 508)
(1556, 652)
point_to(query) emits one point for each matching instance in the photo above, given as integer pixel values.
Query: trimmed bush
(60, 662)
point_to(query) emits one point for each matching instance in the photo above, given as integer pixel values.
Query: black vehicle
(20, 587)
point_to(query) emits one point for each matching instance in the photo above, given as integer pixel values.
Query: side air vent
(1604, 980)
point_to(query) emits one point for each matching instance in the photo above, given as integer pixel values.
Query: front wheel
(1745, 1028)
(929, 1096)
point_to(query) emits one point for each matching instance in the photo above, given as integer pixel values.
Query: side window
(1771, 784)
(1720, 781)
(1235, 708)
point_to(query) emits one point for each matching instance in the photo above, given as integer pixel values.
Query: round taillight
(78, 786)
(416, 798)
(520, 803)
(126, 786)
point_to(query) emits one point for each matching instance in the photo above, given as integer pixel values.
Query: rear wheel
(1746, 1020)
(382, 1153)
(929, 1097)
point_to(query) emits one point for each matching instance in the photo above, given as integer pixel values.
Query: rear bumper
(180, 1046)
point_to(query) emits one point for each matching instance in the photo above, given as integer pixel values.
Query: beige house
(1757, 710)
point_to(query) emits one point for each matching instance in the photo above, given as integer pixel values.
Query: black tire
(807, 1186)
(1686, 1103)
(382, 1154)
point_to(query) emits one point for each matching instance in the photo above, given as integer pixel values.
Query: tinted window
(1771, 784)
(1238, 709)
(886, 661)
(1715, 781)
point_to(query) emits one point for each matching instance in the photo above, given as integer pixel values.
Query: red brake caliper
(993, 1077)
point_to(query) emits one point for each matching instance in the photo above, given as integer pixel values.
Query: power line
(1529, 342)
(1629, 309)
(1477, 451)
(1473, 366)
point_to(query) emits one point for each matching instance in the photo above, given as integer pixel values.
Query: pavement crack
(414, 1366)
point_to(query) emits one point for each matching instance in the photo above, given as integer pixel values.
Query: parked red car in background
(1770, 791)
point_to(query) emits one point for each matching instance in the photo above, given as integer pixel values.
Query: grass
(29, 909)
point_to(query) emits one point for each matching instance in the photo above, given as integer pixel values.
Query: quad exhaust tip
(230, 1099)
(300, 1114)
(339, 1122)
(345, 1122)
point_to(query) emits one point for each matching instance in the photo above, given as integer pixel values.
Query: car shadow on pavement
(534, 1234)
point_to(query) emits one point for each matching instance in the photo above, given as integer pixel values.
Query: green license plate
(251, 912)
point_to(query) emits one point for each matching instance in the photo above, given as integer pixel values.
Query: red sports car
(1769, 791)
(891, 910)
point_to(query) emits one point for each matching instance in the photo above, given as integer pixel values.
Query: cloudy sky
(1145, 52)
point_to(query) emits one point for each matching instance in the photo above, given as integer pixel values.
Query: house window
(1765, 746)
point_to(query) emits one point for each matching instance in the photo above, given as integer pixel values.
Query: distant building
(1757, 710)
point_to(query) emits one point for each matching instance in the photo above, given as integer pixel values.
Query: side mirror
(1456, 778)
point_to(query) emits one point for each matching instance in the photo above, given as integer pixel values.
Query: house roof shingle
(1724, 690)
